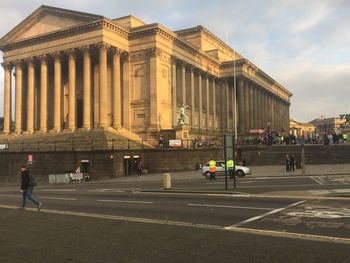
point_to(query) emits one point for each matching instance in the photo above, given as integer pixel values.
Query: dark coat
(25, 179)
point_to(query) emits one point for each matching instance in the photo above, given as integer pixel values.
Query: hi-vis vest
(212, 166)
(345, 136)
(230, 164)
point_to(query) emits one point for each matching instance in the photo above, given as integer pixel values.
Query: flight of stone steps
(75, 141)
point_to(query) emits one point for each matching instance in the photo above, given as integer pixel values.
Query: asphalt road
(118, 223)
(256, 185)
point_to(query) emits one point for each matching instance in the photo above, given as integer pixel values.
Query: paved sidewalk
(257, 171)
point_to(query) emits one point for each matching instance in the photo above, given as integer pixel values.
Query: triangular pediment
(47, 19)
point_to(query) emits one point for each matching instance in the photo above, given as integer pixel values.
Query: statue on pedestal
(182, 115)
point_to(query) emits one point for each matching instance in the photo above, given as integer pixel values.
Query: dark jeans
(212, 176)
(27, 193)
(230, 172)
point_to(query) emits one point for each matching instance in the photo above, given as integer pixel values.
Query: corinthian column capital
(7, 65)
(43, 58)
(116, 51)
(103, 45)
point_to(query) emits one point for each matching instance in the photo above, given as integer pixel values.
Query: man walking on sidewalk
(27, 186)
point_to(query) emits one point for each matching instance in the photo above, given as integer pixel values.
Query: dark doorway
(80, 112)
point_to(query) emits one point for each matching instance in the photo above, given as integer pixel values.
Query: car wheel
(240, 173)
(207, 175)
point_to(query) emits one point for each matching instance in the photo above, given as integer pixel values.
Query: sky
(302, 44)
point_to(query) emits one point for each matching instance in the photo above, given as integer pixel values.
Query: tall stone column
(256, 108)
(103, 86)
(30, 97)
(71, 91)
(241, 117)
(200, 126)
(227, 107)
(183, 83)
(246, 106)
(57, 125)
(126, 90)
(263, 109)
(251, 105)
(260, 107)
(7, 97)
(234, 108)
(116, 90)
(269, 107)
(43, 94)
(19, 92)
(192, 96)
(207, 101)
(155, 85)
(87, 88)
(173, 89)
(214, 105)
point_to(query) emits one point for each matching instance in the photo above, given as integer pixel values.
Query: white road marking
(266, 186)
(317, 180)
(232, 195)
(107, 190)
(122, 201)
(202, 226)
(332, 191)
(231, 206)
(58, 190)
(58, 198)
(42, 197)
(10, 195)
(266, 214)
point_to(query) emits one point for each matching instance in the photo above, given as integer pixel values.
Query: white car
(241, 171)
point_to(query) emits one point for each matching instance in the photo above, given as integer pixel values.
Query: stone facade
(75, 70)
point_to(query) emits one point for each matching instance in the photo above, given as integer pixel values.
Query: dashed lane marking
(129, 202)
(202, 226)
(58, 190)
(255, 218)
(231, 206)
(58, 198)
(42, 197)
(107, 190)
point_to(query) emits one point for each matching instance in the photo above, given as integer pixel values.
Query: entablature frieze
(101, 24)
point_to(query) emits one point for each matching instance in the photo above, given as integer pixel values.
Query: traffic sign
(30, 158)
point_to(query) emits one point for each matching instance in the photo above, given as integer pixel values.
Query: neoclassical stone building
(77, 71)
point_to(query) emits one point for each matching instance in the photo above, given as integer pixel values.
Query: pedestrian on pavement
(27, 185)
(212, 169)
(292, 163)
(287, 163)
(139, 168)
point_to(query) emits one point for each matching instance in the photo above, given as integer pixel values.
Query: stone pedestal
(182, 133)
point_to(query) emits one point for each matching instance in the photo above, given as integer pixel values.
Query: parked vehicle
(241, 171)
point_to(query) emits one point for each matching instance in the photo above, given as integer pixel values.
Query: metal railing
(111, 144)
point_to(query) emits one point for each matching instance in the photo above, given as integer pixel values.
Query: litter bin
(166, 181)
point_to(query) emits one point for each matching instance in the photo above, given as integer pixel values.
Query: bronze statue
(182, 112)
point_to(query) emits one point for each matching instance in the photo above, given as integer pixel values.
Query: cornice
(201, 28)
(158, 29)
(257, 72)
(99, 24)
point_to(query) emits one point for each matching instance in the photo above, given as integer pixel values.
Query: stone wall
(114, 163)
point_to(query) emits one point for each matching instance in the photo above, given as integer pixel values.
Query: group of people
(274, 137)
(230, 164)
(290, 163)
